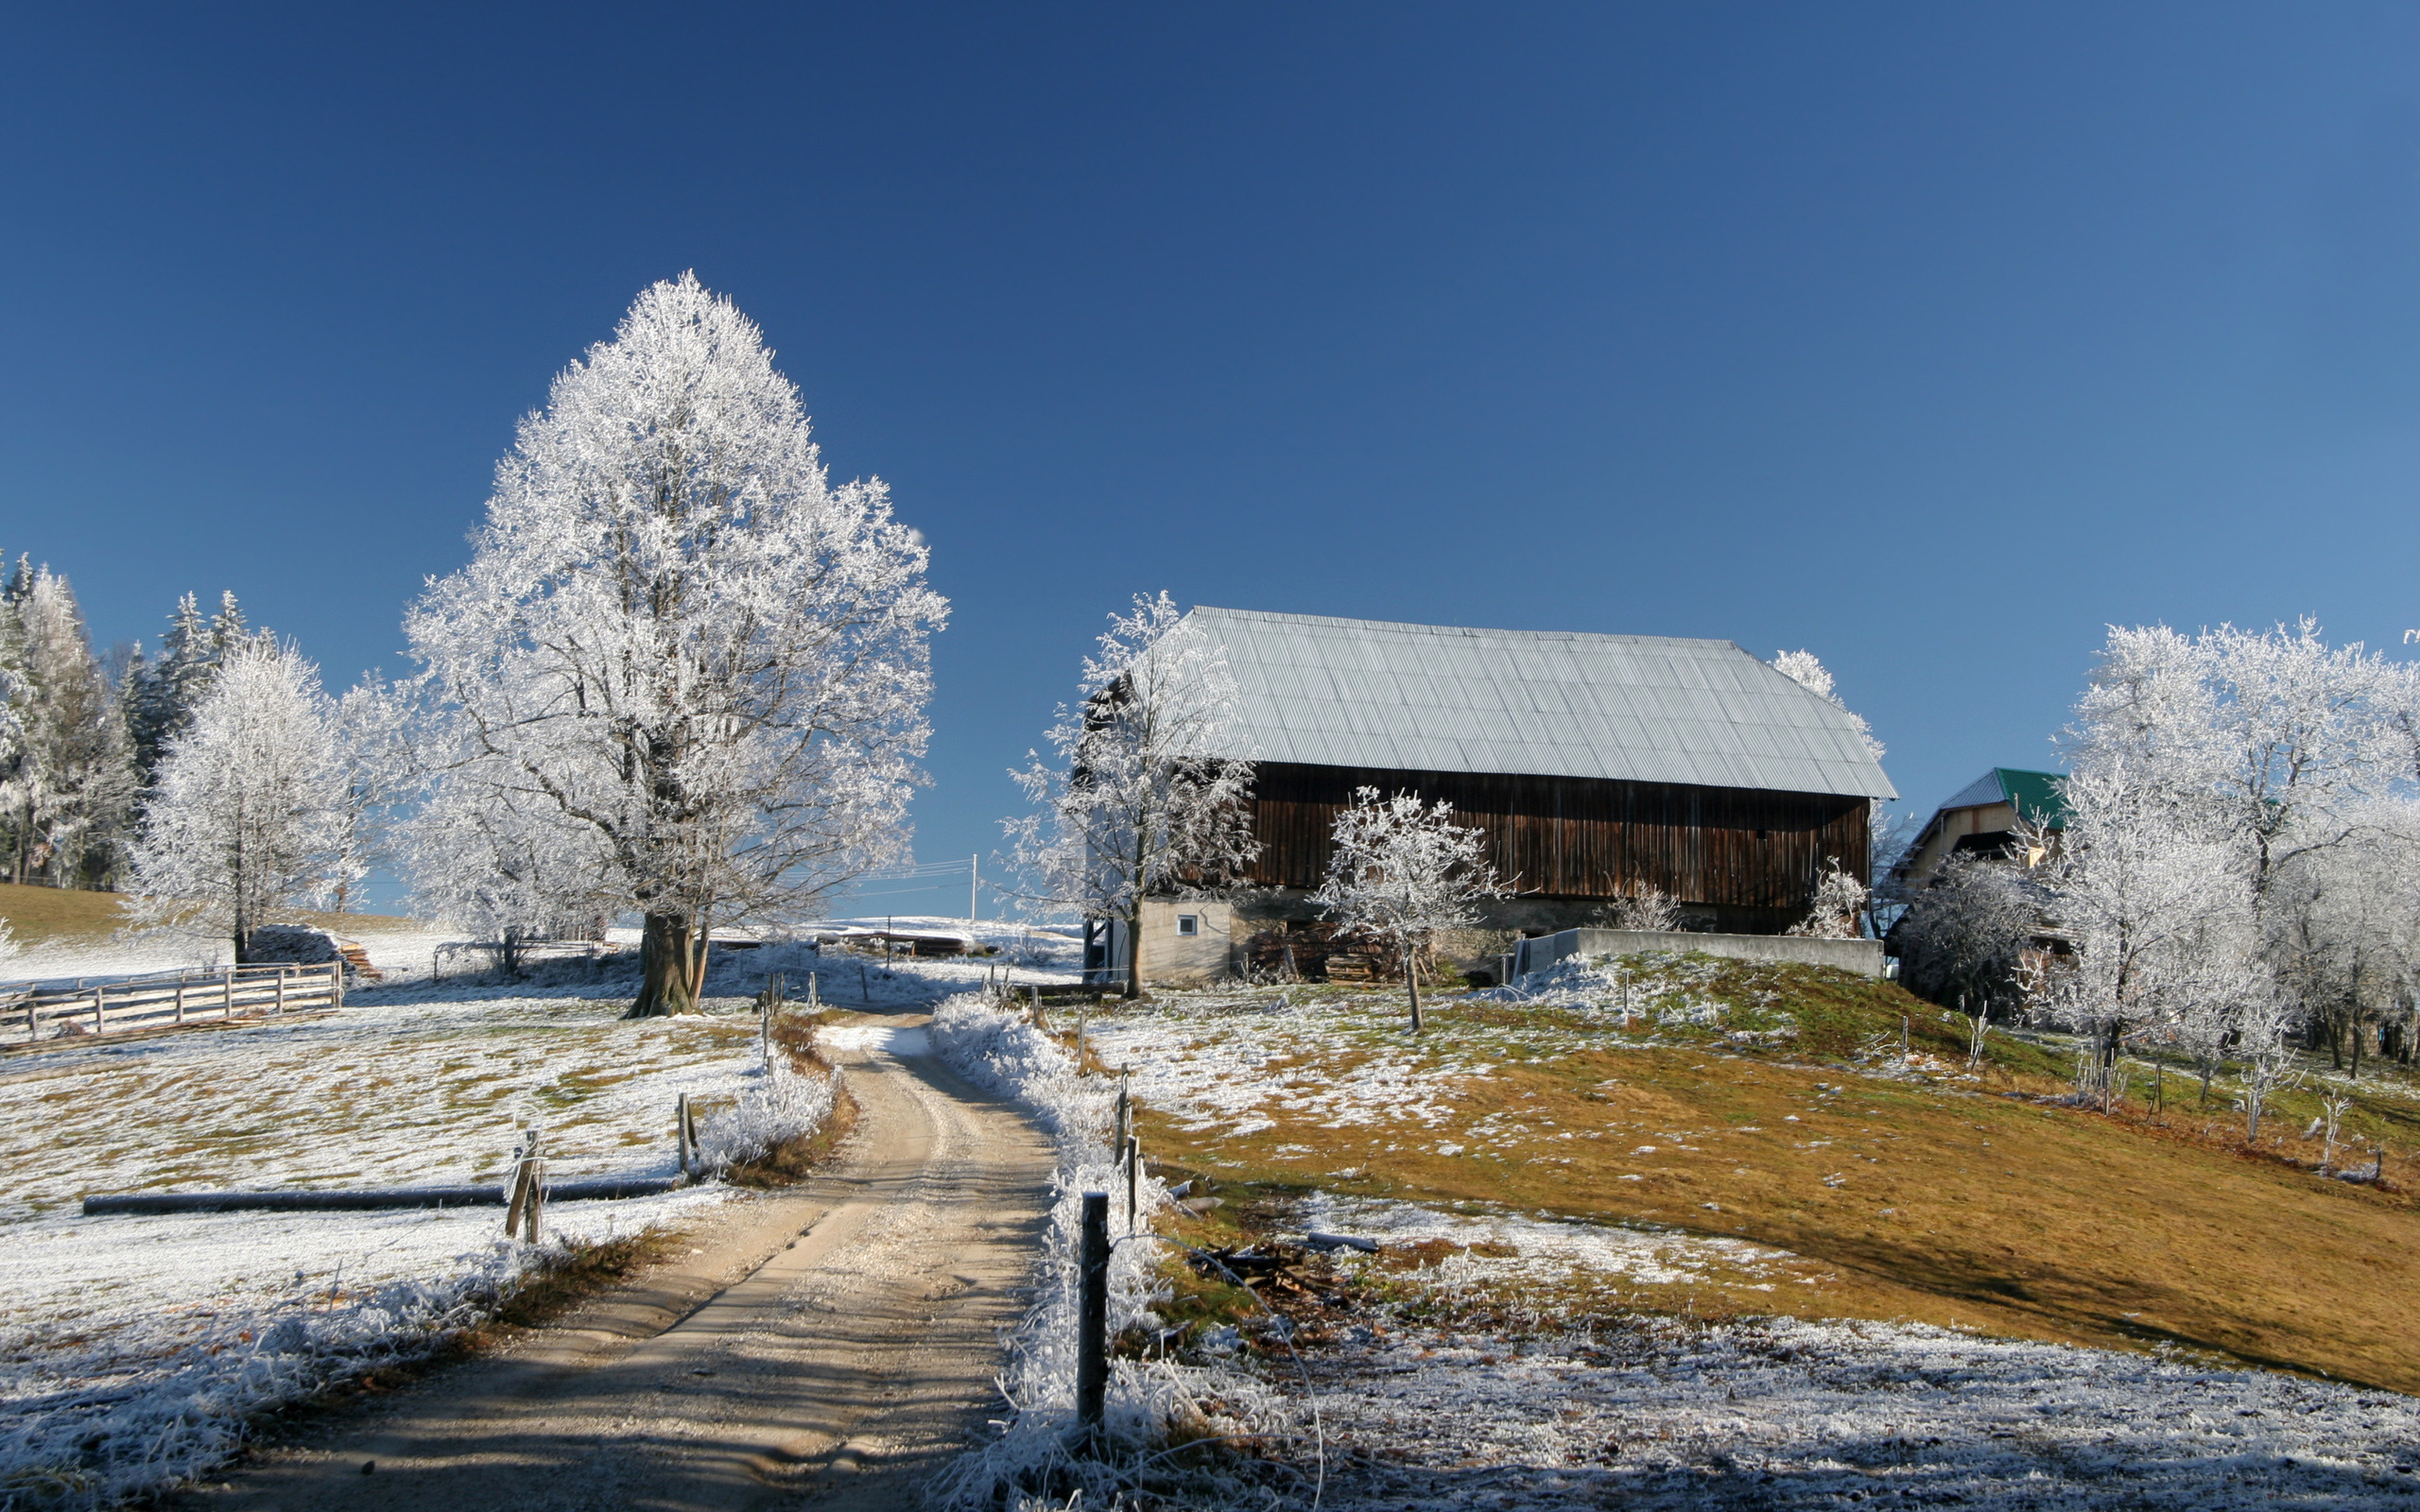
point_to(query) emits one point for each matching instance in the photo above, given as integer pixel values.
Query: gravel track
(827, 1347)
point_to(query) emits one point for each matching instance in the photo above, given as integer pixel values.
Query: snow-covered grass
(132, 1349)
(1152, 1403)
(1666, 1413)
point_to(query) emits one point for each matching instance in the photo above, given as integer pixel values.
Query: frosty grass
(133, 1349)
(1655, 1412)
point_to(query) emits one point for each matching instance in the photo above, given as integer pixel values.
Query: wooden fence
(29, 1014)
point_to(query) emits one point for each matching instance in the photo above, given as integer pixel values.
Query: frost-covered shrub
(1031, 1459)
(784, 1105)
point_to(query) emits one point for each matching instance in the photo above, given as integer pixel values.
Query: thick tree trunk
(670, 959)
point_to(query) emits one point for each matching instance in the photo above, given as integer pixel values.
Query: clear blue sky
(1929, 337)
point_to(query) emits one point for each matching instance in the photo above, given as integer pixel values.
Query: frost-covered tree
(69, 784)
(1963, 940)
(1650, 908)
(1149, 797)
(372, 726)
(2341, 929)
(681, 636)
(2155, 903)
(2270, 765)
(1808, 672)
(247, 818)
(1833, 908)
(1404, 871)
(507, 865)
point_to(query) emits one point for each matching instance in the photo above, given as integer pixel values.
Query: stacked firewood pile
(1319, 952)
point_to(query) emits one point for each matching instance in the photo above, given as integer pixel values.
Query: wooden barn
(1599, 766)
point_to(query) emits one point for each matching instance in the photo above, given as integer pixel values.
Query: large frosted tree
(677, 636)
(247, 815)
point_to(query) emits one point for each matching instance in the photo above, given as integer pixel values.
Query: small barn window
(1188, 923)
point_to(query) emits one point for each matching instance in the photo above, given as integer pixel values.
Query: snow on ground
(131, 1346)
(1008, 1053)
(1222, 1060)
(1779, 1413)
(1544, 1248)
(405, 950)
(1650, 1411)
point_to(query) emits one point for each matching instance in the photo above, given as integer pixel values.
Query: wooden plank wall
(1585, 837)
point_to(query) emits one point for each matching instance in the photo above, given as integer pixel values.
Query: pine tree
(227, 630)
(162, 696)
(68, 789)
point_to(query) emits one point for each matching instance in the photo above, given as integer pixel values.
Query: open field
(41, 916)
(114, 1329)
(1771, 1105)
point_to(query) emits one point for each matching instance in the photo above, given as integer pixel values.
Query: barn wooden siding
(1584, 838)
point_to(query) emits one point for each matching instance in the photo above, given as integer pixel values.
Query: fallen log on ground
(357, 1201)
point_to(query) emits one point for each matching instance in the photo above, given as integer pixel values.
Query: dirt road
(828, 1348)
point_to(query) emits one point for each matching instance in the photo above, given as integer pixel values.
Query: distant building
(1598, 766)
(1982, 818)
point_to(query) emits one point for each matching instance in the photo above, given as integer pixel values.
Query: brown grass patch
(1940, 1204)
(41, 916)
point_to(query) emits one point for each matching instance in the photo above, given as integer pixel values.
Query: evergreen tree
(68, 788)
(162, 693)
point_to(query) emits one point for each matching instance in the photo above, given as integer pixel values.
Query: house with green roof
(1982, 818)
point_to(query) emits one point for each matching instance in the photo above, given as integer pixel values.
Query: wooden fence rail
(31, 1014)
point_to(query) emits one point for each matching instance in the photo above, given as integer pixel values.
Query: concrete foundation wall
(1863, 956)
(1182, 960)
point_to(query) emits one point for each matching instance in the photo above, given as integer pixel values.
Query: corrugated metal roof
(2040, 796)
(1438, 697)
(1982, 790)
(2035, 795)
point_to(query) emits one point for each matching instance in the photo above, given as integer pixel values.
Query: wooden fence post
(1092, 1342)
(520, 1195)
(280, 990)
(181, 999)
(99, 993)
(682, 1130)
(1133, 1176)
(227, 995)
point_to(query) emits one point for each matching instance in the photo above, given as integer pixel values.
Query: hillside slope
(1776, 1105)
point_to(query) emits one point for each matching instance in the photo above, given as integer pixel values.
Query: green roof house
(1980, 818)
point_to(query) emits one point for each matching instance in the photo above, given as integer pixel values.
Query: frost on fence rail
(30, 1012)
(1153, 1408)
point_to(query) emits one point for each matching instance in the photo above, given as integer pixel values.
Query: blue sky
(1931, 338)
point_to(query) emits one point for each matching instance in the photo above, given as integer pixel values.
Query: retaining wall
(1863, 956)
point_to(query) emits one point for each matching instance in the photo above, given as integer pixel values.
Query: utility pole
(973, 876)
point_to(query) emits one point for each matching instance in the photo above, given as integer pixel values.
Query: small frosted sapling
(1402, 871)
